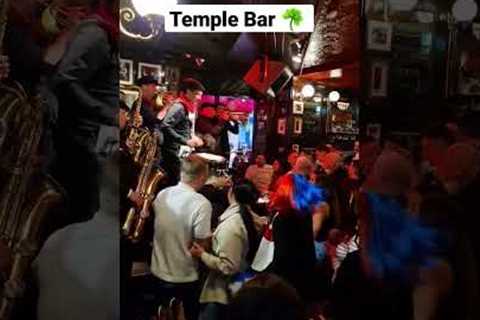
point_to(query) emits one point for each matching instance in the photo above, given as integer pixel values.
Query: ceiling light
(146, 7)
(464, 10)
(308, 91)
(334, 96)
(317, 98)
(336, 73)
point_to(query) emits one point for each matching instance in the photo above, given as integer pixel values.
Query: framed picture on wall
(379, 35)
(282, 126)
(298, 107)
(172, 75)
(126, 72)
(147, 69)
(379, 79)
(297, 125)
(296, 147)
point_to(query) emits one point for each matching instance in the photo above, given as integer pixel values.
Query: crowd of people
(383, 232)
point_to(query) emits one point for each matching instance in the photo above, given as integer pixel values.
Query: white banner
(239, 18)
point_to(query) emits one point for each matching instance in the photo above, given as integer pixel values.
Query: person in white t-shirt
(182, 217)
(260, 174)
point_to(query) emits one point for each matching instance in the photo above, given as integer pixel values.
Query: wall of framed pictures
(131, 70)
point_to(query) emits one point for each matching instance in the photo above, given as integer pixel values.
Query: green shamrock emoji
(295, 17)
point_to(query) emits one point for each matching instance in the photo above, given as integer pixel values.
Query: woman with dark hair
(279, 169)
(234, 246)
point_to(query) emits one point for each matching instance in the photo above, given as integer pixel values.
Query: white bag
(264, 256)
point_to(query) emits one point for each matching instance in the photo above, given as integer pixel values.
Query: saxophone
(147, 153)
(148, 179)
(135, 134)
(26, 194)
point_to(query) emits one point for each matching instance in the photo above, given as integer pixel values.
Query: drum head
(210, 157)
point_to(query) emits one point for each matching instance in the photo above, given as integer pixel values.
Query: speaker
(268, 77)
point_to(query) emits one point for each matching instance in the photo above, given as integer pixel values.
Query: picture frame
(171, 75)
(298, 107)
(126, 71)
(148, 69)
(296, 148)
(282, 126)
(379, 35)
(379, 73)
(297, 125)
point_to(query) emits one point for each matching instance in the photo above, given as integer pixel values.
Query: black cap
(147, 80)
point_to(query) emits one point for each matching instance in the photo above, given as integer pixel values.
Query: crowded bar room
(239, 159)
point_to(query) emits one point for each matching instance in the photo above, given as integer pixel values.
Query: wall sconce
(128, 15)
(149, 11)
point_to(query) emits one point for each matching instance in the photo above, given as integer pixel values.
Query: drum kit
(217, 163)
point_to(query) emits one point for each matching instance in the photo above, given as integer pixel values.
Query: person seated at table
(260, 174)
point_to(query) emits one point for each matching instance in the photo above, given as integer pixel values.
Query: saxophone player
(148, 85)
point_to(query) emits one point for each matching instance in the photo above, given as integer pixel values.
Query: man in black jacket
(178, 126)
(229, 123)
(86, 83)
(148, 84)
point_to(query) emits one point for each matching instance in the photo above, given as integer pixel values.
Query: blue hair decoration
(306, 195)
(397, 240)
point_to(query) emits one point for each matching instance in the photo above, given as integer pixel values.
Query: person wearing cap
(148, 85)
(178, 126)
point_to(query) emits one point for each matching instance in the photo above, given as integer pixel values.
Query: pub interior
(291, 105)
(150, 175)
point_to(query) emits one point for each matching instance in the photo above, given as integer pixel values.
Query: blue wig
(397, 241)
(306, 196)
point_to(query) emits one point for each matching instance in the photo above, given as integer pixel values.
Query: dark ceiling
(227, 56)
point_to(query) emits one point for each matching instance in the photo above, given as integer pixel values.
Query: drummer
(177, 126)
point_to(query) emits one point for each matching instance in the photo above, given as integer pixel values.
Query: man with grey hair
(182, 216)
